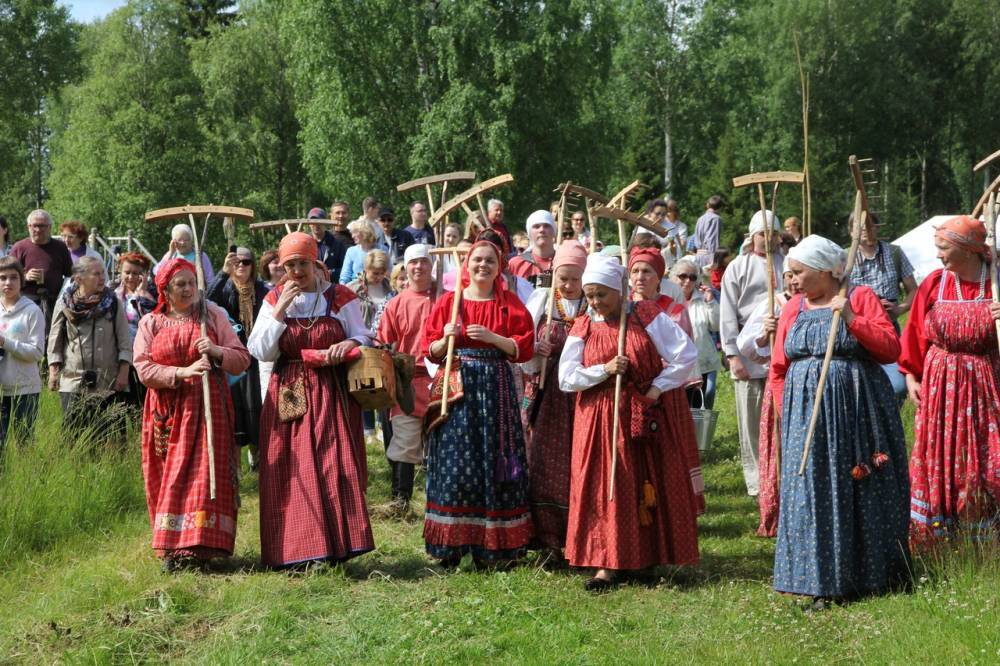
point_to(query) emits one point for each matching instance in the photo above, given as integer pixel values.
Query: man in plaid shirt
(885, 268)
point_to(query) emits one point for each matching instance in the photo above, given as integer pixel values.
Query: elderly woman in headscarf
(842, 529)
(189, 526)
(952, 371)
(238, 291)
(313, 470)
(550, 411)
(477, 480)
(182, 247)
(652, 519)
(90, 346)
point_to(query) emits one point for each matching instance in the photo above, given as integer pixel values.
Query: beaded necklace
(982, 285)
(562, 312)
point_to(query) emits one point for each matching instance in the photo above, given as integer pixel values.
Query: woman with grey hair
(90, 347)
(182, 246)
(703, 311)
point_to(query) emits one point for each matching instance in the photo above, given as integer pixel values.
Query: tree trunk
(923, 187)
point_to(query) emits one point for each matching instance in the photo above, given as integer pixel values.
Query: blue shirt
(354, 264)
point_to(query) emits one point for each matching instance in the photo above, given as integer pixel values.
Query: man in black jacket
(331, 250)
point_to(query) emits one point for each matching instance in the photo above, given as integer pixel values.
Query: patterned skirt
(477, 477)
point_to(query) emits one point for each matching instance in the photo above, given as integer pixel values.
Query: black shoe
(404, 481)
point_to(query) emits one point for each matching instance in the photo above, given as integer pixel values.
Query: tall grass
(55, 487)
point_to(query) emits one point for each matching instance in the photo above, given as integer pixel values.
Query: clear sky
(88, 10)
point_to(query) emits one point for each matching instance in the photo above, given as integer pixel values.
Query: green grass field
(78, 583)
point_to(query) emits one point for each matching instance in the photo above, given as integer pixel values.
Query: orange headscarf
(297, 245)
(964, 232)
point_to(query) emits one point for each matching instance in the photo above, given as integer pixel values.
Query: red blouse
(507, 317)
(870, 326)
(915, 343)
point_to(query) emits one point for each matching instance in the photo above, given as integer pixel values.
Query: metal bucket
(704, 424)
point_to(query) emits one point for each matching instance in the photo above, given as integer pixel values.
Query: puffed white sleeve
(674, 346)
(263, 340)
(536, 308)
(354, 323)
(746, 340)
(573, 377)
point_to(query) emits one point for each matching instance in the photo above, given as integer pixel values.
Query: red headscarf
(964, 232)
(498, 281)
(650, 256)
(164, 275)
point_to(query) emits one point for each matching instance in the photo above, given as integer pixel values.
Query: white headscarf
(539, 217)
(757, 223)
(820, 254)
(605, 271)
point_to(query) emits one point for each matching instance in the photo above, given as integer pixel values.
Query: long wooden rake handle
(451, 342)
(552, 291)
(622, 319)
(206, 379)
(991, 240)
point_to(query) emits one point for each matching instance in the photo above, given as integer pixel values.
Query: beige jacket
(100, 345)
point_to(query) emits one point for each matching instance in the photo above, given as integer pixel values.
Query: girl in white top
(22, 341)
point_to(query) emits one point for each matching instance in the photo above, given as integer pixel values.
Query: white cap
(540, 217)
(416, 251)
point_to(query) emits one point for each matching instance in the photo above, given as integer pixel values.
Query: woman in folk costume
(653, 517)
(550, 412)
(477, 481)
(843, 524)
(313, 472)
(646, 268)
(754, 343)
(188, 526)
(952, 373)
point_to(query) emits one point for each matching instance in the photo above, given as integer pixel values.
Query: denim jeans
(17, 412)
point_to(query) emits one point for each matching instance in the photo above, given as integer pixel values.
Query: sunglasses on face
(246, 262)
(687, 276)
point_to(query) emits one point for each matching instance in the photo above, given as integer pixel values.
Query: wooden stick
(451, 340)
(552, 289)
(430, 198)
(592, 221)
(769, 256)
(622, 320)
(860, 215)
(991, 240)
(206, 379)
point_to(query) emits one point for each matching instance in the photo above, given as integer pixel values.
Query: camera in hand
(89, 379)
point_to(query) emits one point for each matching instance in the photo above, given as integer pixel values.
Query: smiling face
(483, 266)
(418, 272)
(182, 290)
(644, 281)
(244, 268)
(302, 272)
(606, 302)
(687, 277)
(10, 285)
(579, 222)
(73, 241)
(341, 215)
(183, 242)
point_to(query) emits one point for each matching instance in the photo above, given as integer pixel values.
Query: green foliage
(282, 106)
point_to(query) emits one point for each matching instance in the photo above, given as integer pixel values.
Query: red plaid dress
(174, 451)
(549, 445)
(313, 470)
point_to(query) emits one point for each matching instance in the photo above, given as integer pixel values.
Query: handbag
(704, 423)
(433, 418)
(292, 400)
